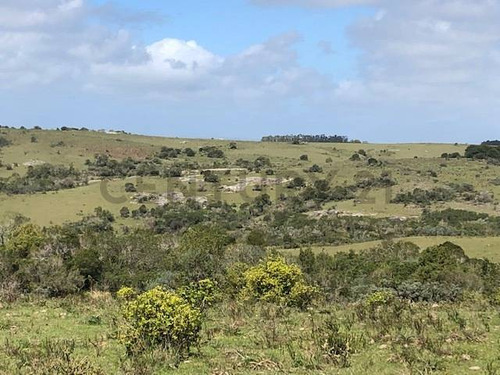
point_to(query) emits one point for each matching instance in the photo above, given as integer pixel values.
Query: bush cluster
(275, 281)
(41, 178)
(159, 318)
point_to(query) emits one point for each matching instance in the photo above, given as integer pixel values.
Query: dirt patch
(253, 181)
(33, 163)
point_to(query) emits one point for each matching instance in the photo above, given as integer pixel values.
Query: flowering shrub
(159, 318)
(126, 294)
(276, 281)
(379, 298)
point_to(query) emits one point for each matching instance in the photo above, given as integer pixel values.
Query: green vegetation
(122, 254)
(42, 178)
(322, 138)
(159, 318)
(4, 142)
(489, 151)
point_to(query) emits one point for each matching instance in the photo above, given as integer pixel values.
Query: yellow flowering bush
(126, 294)
(160, 318)
(275, 281)
(379, 298)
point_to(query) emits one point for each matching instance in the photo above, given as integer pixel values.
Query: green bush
(126, 294)
(4, 142)
(159, 318)
(379, 298)
(130, 188)
(201, 294)
(275, 281)
(25, 239)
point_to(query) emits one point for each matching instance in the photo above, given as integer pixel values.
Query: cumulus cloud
(420, 61)
(45, 42)
(177, 69)
(42, 42)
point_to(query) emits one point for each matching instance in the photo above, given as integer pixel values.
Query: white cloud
(429, 50)
(52, 42)
(177, 70)
(426, 60)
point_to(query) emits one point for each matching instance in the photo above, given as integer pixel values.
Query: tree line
(318, 138)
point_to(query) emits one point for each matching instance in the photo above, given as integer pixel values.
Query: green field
(409, 164)
(33, 334)
(475, 247)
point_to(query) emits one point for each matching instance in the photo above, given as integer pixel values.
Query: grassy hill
(411, 165)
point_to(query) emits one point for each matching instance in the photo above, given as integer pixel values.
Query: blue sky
(378, 70)
(227, 27)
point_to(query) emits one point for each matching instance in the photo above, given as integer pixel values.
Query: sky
(375, 70)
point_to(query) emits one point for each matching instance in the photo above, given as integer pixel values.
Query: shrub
(297, 182)
(168, 153)
(130, 188)
(201, 294)
(379, 298)
(24, 240)
(315, 169)
(173, 172)
(212, 152)
(355, 157)
(275, 281)
(211, 177)
(4, 142)
(126, 294)
(159, 318)
(124, 212)
(189, 152)
(304, 157)
(200, 254)
(262, 162)
(454, 155)
(257, 237)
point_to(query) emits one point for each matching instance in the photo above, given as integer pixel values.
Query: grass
(239, 339)
(475, 247)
